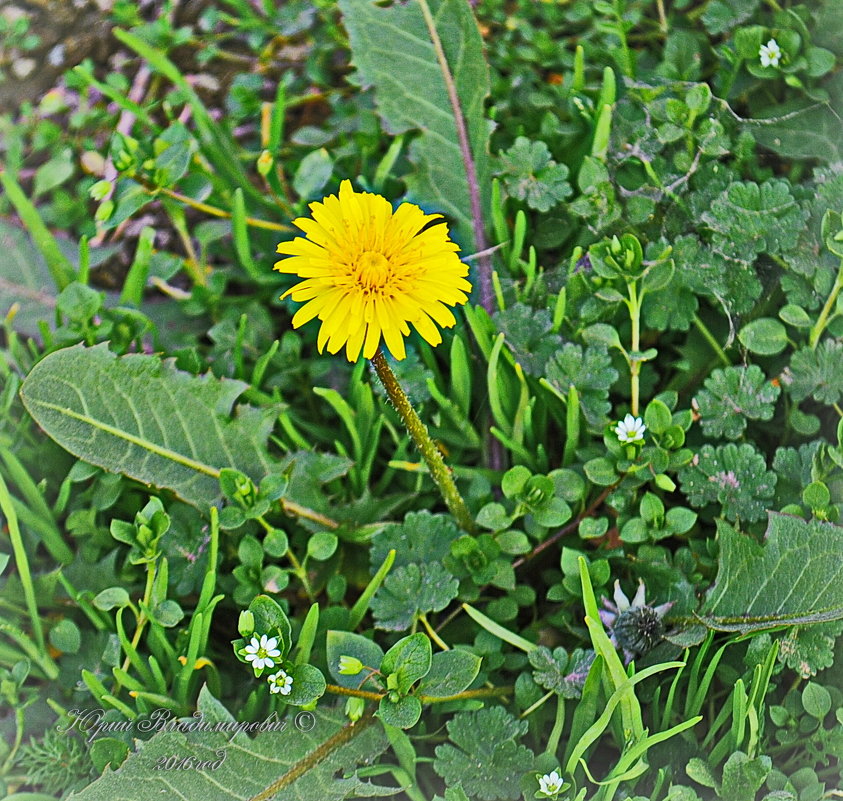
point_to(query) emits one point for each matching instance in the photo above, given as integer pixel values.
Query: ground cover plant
(519, 475)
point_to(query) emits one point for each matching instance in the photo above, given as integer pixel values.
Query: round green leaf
(795, 315)
(321, 546)
(514, 480)
(167, 613)
(764, 336)
(275, 543)
(816, 700)
(308, 685)
(600, 471)
(591, 527)
(680, 520)
(110, 598)
(816, 495)
(657, 417)
(65, 636)
(403, 713)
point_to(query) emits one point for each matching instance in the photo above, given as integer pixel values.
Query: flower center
(373, 269)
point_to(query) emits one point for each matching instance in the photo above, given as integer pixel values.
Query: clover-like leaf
(749, 218)
(422, 538)
(556, 670)
(734, 476)
(529, 173)
(810, 649)
(590, 371)
(732, 396)
(529, 336)
(485, 757)
(743, 777)
(794, 470)
(731, 284)
(816, 373)
(410, 591)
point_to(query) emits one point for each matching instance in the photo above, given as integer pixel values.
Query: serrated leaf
(410, 591)
(140, 416)
(733, 395)
(743, 777)
(556, 670)
(421, 538)
(393, 51)
(530, 174)
(793, 468)
(590, 371)
(731, 284)
(529, 335)
(810, 649)
(733, 476)
(248, 766)
(750, 218)
(486, 757)
(796, 576)
(723, 15)
(816, 373)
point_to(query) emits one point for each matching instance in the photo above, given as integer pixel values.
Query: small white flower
(281, 682)
(770, 54)
(630, 429)
(550, 785)
(261, 652)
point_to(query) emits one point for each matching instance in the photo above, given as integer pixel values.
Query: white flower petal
(640, 594)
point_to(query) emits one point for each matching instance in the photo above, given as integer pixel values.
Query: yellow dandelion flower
(370, 272)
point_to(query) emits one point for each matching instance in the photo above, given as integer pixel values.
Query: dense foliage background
(656, 230)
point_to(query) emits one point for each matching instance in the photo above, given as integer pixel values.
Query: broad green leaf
(450, 673)
(764, 336)
(393, 51)
(796, 576)
(240, 767)
(25, 280)
(140, 416)
(346, 643)
(799, 129)
(590, 371)
(409, 660)
(403, 713)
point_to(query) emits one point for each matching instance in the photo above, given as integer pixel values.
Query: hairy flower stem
(439, 471)
(482, 692)
(822, 320)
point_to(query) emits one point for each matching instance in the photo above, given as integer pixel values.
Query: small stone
(23, 67)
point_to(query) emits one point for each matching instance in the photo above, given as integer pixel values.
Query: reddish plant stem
(484, 264)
